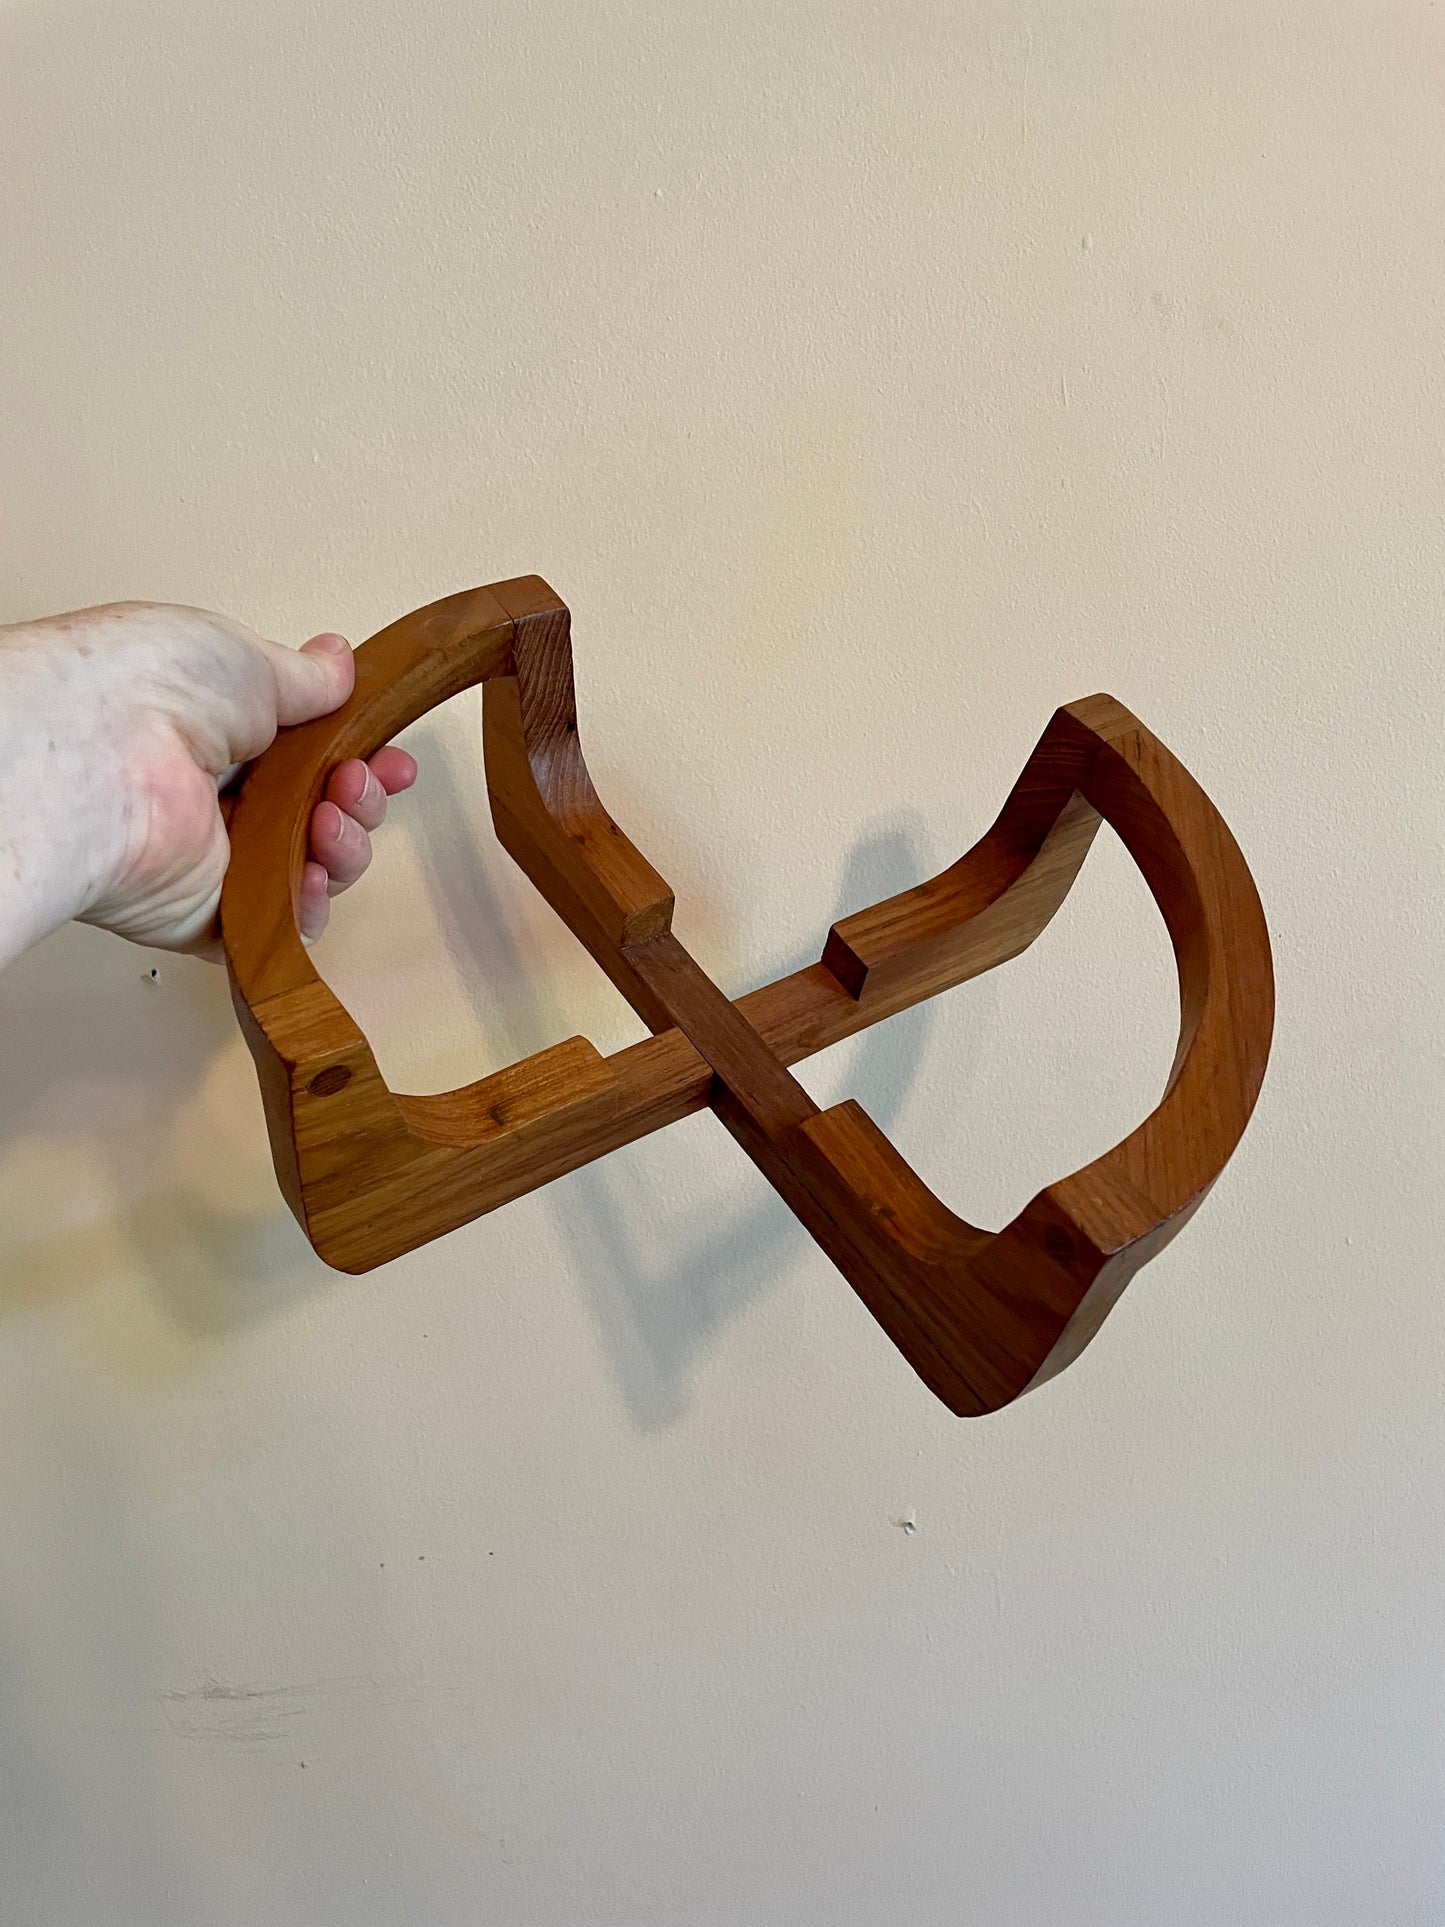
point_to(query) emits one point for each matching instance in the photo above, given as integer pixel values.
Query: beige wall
(869, 379)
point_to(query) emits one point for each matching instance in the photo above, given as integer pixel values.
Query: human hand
(119, 728)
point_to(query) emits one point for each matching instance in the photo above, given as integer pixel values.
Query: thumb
(312, 680)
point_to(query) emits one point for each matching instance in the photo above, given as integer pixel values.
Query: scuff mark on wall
(242, 1715)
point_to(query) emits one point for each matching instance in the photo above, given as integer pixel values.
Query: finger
(361, 789)
(394, 769)
(354, 789)
(315, 904)
(312, 680)
(340, 845)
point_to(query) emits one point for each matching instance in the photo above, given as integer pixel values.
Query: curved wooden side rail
(371, 1173)
(984, 1318)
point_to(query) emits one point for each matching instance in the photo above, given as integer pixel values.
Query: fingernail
(332, 644)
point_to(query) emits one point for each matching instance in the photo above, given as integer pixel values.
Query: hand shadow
(133, 1140)
(658, 1315)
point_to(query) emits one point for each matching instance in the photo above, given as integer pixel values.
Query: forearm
(54, 837)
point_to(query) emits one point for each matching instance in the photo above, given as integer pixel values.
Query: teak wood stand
(371, 1173)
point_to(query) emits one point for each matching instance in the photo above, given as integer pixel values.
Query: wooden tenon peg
(371, 1173)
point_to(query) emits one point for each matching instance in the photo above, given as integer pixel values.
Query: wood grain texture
(981, 1317)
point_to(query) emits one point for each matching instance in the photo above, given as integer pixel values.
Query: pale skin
(120, 729)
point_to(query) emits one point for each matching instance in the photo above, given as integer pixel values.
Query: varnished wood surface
(371, 1174)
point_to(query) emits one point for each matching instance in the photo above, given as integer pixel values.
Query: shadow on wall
(131, 1142)
(658, 1315)
(133, 1138)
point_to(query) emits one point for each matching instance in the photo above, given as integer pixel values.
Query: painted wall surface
(869, 380)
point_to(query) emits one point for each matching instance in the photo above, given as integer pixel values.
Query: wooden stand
(371, 1173)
